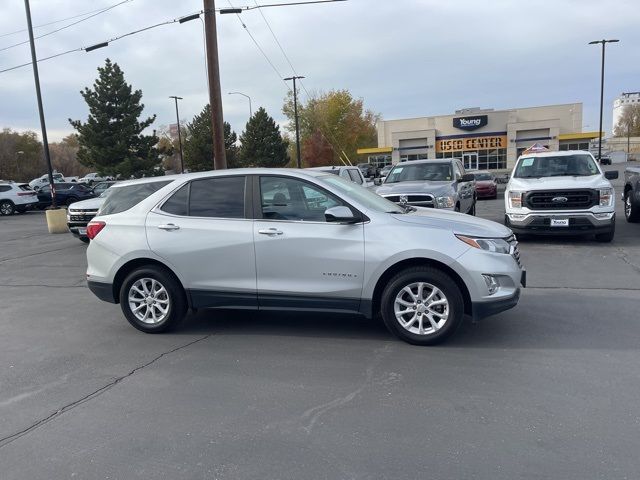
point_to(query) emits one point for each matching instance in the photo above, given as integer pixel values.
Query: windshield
(365, 197)
(434, 172)
(580, 165)
(483, 176)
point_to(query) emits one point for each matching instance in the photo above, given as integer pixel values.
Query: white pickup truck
(561, 193)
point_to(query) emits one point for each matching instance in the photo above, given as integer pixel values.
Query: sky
(404, 58)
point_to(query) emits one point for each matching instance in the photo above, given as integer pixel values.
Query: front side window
(217, 197)
(291, 199)
(556, 166)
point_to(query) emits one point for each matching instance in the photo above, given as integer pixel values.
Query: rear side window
(355, 177)
(5, 188)
(124, 198)
(217, 197)
(178, 203)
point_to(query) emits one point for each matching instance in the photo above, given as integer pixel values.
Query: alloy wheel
(627, 205)
(149, 301)
(421, 308)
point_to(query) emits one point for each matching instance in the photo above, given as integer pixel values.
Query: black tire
(435, 278)
(7, 208)
(608, 236)
(457, 208)
(472, 210)
(631, 210)
(176, 305)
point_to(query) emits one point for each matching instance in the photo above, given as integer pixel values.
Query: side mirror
(340, 214)
(611, 175)
(467, 177)
(377, 181)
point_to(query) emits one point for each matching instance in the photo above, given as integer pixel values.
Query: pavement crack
(622, 254)
(27, 285)
(7, 259)
(96, 393)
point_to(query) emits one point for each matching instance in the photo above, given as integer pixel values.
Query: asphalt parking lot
(547, 390)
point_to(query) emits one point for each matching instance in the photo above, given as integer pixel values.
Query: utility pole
(179, 133)
(36, 77)
(215, 94)
(603, 42)
(295, 112)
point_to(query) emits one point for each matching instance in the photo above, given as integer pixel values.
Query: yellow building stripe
(365, 151)
(579, 136)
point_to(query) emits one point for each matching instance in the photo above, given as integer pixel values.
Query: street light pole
(295, 112)
(179, 133)
(603, 42)
(248, 97)
(215, 95)
(36, 77)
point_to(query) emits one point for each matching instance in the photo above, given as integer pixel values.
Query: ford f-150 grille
(418, 200)
(561, 199)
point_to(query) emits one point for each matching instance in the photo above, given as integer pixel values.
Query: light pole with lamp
(248, 97)
(603, 42)
(295, 113)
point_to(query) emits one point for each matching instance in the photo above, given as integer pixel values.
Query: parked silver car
(268, 239)
(431, 183)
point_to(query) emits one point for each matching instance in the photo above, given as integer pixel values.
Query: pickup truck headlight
(515, 199)
(606, 197)
(445, 202)
(495, 245)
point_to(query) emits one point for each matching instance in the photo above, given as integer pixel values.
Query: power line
(57, 21)
(66, 26)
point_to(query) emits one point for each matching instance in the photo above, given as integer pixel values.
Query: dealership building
(484, 139)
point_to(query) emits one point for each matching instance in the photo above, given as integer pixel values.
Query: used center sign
(475, 143)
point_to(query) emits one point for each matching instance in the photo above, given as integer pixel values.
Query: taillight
(94, 228)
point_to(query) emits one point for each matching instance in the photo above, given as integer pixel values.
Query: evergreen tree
(198, 144)
(262, 143)
(111, 141)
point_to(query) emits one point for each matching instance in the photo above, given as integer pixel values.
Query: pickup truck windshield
(560, 166)
(425, 172)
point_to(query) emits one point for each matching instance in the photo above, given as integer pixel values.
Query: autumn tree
(111, 141)
(316, 151)
(629, 123)
(262, 142)
(198, 143)
(342, 119)
(21, 156)
(64, 157)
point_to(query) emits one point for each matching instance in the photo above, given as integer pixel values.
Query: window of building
(574, 146)
(487, 159)
(413, 156)
(380, 160)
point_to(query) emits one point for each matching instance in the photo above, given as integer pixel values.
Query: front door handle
(270, 231)
(168, 227)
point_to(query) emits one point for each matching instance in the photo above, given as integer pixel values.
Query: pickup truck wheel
(422, 306)
(607, 237)
(152, 300)
(631, 211)
(7, 207)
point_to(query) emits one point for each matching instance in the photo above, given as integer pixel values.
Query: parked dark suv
(66, 194)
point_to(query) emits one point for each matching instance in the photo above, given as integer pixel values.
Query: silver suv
(268, 239)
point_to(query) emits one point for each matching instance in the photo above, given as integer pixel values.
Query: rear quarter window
(124, 198)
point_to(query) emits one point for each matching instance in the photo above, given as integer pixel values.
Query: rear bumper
(104, 291)
(482, 310)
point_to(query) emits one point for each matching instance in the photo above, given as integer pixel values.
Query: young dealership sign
(470, 123)
(472, 143)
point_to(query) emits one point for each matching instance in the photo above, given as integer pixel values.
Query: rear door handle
(270, 231)
(168, 227)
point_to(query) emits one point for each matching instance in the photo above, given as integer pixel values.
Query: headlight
(495, 245)
(515, 199)
(445, 202)
(606, 197)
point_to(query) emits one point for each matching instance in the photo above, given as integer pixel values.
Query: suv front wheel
(422, 306)
(152, 300)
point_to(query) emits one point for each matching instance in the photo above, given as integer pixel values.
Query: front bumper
(486, 309)
(579, 222)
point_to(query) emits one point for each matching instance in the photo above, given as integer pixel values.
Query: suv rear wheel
(7, 207)
(152, 300)
(422, 306)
